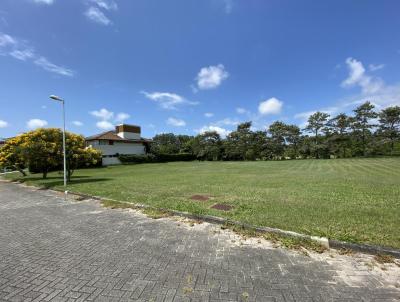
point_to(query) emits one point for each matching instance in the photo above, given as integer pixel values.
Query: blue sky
(188, 66)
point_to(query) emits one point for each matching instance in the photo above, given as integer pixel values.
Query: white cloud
(221, 131)
(167, 100)
(373, 67)
(105, 4)
(20, 49)
(103, 114)
(304, 115)
(208, 114)
(105, 125)
(77, 123)
(48, 2)
(6, 40)
(356, 72)
(107, 119)
(36, 123)
(227, 121)
(176, 122)
(241, 110)
(270, 106)
(97, 16)
(3, 124)
(211, 77)
(121, 117)
(383, 96)
(22, 55)
(358, 77)
(48, 66)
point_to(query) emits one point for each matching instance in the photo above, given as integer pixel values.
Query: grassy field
(355, 200)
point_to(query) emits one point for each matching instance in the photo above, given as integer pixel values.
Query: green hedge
(175, 157)
(159, 158)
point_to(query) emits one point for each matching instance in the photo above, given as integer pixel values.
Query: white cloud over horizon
(77, 123)
(210, 128)
(3, 124)
(36, 123)
(108, 119)
(211, 77)
(121, 117)
(270, 106)
(372, 89)
(167, 100)
(103, 113)
(227, 122)
(241, 110)
(172, 121)
(105, 125)
(208, 114)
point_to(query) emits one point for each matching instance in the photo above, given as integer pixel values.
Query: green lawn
(350, 199)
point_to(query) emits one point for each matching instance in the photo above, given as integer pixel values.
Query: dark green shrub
(151, 158)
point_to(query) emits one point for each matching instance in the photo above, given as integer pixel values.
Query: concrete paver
(56, 250)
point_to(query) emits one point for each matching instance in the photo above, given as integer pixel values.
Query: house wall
(110, 161)
(118, 147)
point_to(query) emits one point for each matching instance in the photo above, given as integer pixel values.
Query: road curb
(326, 242)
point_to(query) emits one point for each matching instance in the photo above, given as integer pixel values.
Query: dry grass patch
(156, 213)
(383, 258)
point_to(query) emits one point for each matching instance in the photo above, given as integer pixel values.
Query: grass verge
(354, 200)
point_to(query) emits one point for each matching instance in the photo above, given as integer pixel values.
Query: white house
(125, 140)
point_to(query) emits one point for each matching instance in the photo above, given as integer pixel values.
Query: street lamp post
(56, 98)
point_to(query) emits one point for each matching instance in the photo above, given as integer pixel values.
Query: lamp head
(56, 98)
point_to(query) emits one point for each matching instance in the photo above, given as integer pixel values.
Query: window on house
(111, 142)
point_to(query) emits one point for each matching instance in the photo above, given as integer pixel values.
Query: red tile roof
(112, 136)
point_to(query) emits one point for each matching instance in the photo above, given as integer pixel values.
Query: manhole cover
(200, 197)
(222, 207)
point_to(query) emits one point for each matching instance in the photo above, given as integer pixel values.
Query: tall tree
(317, 122)
(208, 146)
(389, 120)
(339, 126)
(362, 123)
(240, 144)
(165, 143)
(293, 138)
(278, 132)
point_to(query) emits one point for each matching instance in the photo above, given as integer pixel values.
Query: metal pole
(64, 149)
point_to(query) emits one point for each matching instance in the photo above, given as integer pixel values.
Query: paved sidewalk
(56, 250)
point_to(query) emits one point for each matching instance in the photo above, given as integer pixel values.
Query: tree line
(364, 133)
